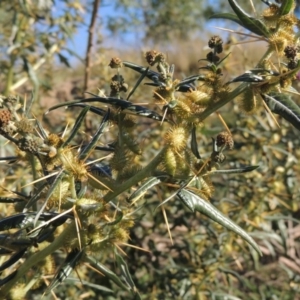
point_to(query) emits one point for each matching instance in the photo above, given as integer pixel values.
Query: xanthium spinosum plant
(86, 208)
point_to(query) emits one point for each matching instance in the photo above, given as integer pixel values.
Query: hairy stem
(137, 177)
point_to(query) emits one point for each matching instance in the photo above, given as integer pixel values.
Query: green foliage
(72, 212)
(31, 33)
(160, 20)
(165, 21)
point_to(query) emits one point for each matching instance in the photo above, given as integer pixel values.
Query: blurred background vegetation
(205, 262)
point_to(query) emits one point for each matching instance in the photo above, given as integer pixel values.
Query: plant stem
(90, 44)
(137, 177)
(10, 76)
(266, 56)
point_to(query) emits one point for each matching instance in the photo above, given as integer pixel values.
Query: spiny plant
(86, 209)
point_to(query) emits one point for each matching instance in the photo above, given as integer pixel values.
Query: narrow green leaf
(148, 184)
(150, 74)
(187, 83)
(284, 106)
(227, 16)
(143, 75)
(125, 272)
(166, 200)
(195, 203)
(194, 144)
(284, 233)
(42, 131)
(64, 60)
(235, 171)
(217, 295)
(66, 268)
(73, 53)
(72, 280)
(108, 273)
(107, 100)
(86, 151)
(139, 110)
(242, 279)
(248, 77)
(66, 29)
(31, 74)
(51, 189)
(118, 219)
(281, 217)
(76, 127)
(221, 60)
(29, 105)
(286, 7)
(250, 23)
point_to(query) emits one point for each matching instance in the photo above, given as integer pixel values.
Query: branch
(90, 44)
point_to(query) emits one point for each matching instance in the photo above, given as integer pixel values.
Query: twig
(90, 44)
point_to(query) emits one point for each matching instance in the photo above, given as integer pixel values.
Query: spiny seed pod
(213, 80)
(18, 292)
(120, 159)
(199, 97)
(271, 13)
(37, 284)
(170, 162)
(131, 144)
(116, 63)
(54, 140)
(207, 188)
(176, 138)
(279, 40)
(127, 223)
(248, 102)
(119, 235)
(287, 22)
(225, 139)
(49, 266)
(183, 167)
(58, 196)
(163, 95)
(24, 126)
(72, 240)
(184, 108)
(128, 122)
(73, 165)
